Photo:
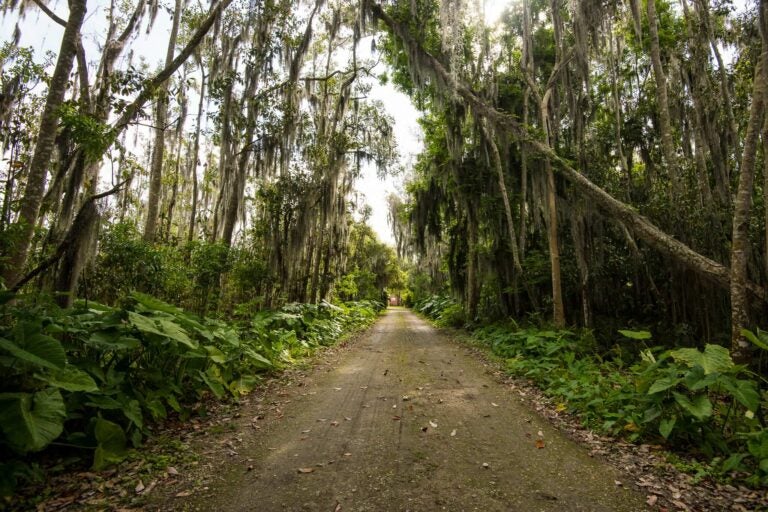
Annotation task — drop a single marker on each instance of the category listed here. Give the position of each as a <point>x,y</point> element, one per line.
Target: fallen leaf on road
<point>494,404</point>
<point>433,424</point>
<point>306,470</point>
<point>171,470</point>
<point>453,432</point>
<point>652,499</point>
<point>539,444</point>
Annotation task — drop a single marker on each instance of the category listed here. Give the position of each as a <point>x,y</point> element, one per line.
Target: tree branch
<point>71,233</point>
<point>50,13</point>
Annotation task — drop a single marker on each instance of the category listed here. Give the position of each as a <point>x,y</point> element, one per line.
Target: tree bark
<point>158,149</point>
<point>38,167</point>
<point>742,205</point>
<point>665,122</point>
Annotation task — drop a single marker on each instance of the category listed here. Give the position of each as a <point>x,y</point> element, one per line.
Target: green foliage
<point>93,136</point>
<point>444,310</point>
<point>97,377</point>
<point>691,399</point>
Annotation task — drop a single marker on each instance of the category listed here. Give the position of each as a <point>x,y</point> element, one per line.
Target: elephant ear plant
<point>94,378</point>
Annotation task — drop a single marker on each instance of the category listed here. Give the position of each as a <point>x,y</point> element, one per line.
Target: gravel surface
<point>405,420</point>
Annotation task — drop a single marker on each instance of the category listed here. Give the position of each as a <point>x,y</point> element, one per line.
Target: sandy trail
<point>409,421</point>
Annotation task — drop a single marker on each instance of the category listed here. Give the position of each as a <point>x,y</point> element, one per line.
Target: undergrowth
<point>93,379</point>
<point>690,400</point>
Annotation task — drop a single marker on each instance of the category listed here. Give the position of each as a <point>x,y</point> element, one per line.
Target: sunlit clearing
<point>494,9</point>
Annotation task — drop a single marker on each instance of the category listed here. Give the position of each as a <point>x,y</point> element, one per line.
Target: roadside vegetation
<point>695,402</point>
<point>90,382</point>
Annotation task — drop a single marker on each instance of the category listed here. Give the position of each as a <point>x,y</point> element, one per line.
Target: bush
<point>686,398</point>
<point>96,377</point>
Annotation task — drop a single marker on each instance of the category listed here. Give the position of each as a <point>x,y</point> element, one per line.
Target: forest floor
<point>405,419</point>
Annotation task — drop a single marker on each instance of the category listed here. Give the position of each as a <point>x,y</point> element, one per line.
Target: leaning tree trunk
<point>38,167</point>
<point>158,149</point>
<point>616,210</point>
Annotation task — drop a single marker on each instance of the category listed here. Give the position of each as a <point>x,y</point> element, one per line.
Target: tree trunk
<point>558,310</point>
<point>158,150</point>
<point>740,302</point>
<point>38,167</point>
<point>665,122</point>
<point>196,156</point>
<point>619,211</point>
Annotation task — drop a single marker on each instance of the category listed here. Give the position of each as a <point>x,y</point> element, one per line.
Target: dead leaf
<point>306,470</point>
<point>347,418</point>
<point>539,444</point>
<point>453,433</point>
<point>139,487</point>
<point>652,499</point>
<point>172,470</point>
<point>306,431</point>
<point>347,454</point>
<point>338,507</point>
<point>337,389</point>
<point>334,423</point>
<point>406,398</point>
<point>619,484</point>
<point>433,424</point>
<point>494,404</point>
<point>183,494</point>
<point>540,433</point>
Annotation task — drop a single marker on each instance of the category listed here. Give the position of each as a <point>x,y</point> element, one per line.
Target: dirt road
<point>409,421</point>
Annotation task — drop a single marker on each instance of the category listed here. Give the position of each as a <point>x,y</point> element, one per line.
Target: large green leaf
<point>29,344</point>
<point>215,355</point>
<point>636,335</point>
<point>164,327</point>
<point>70,378</point>
<point>110,447</point>
<point>700,407</point>
<point>714,358</point>
<point>176,332</point>
<point>213,380</point>
<point>663,384</point>
<point>113,340</point>
<point>132,411</point>
<point>31,421</point>
<point>760,339</point>
<point>666,425</point>
<point>744,391</point>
